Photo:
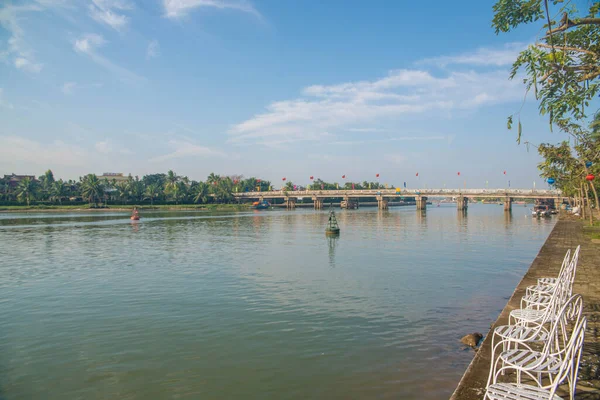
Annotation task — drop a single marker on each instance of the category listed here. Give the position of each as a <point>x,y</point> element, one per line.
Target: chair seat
<point>521,333</point>
<point>527,315</point>
<point>540,288</point>
<point>527,359</point>
<point>537,299</point>
<point>512,391</point>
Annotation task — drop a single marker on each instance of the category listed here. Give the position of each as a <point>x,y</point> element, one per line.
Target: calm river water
<point>253,305</point>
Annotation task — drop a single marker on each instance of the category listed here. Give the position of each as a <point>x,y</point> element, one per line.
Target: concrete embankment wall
<point>567,234</point>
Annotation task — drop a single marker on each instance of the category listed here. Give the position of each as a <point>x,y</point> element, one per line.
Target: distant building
<point>13,180</point>
<point>114,176</point>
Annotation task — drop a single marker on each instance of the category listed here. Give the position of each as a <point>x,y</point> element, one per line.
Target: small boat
<point>261,205</point>
<point>332,225</point>
<point>349,205</point>
<point>135,216</point>
<point>540,211</point>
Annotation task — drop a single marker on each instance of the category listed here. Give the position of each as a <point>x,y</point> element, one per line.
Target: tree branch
<point>567,48</point>
<point>568,24</point>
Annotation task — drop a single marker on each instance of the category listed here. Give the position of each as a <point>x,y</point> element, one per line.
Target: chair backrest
<point>569,365</point>
<point>568,314</point>
<point>572,269</point>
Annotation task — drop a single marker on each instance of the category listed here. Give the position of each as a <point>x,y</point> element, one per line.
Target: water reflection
<point>332,243</point>
<point>183,304</point>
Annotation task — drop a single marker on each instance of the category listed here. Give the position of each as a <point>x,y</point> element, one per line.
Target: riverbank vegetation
<point>561,70</point>
<point>154,190</point>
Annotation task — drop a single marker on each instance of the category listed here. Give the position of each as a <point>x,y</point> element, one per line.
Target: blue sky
<point>265,88</point>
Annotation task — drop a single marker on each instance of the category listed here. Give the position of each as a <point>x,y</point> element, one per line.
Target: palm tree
<point>58,191</point>
<point>26,190</point>
<point>91,188</point>
<point>200,192</point>
<point>152,192</point>
<point>122,191</point>
<point>213,179</point>
<point>171,179</point>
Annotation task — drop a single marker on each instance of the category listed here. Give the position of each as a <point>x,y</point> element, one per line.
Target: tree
<point>59,191</point>
<point>562,67</point>
<point>27,190</point>
<point>200,192</point>
<point>152,192</point>
<point>171,179</point>
<point>91,188</point>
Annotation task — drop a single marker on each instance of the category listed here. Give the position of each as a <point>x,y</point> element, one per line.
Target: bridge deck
<point>512,193</point>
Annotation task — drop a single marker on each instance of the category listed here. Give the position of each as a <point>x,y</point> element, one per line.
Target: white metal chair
<point>545,286</point>
<point>558,359</point>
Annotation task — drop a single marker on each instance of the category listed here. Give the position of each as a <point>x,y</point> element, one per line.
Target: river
<point>253,305</point>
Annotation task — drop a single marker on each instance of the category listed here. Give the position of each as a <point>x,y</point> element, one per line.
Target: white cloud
<point>89,43</point>
<point>339,108</point>
<point>18,49</point>
<point>107,147</point>
<point>187,149</point>
<point>25,64</point>
<point>180,8</point>
<point>153,49</point>
<point>71,87</point>
<point>105,12</point>
<point>481,57</point>
<point>68,87</point>
<point>20,151</point>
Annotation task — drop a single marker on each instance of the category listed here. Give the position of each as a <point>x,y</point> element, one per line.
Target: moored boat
<point>261,205</point>
<point>135,216</point>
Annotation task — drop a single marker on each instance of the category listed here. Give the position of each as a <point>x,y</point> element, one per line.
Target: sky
<point>266,88</point>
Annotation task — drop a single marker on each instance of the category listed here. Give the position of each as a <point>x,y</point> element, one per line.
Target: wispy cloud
<point>18,51</point>
<point>180,8</point>
<point>88,45</point>
<point>107,12</point>
<point>187,149</point>
<point>68,87</point>
<point>107,147</point>
<point>153,49</point>
<point>332,109</point>
<point>16,150</point>
<point>481,57</point>
<point>71,87</point>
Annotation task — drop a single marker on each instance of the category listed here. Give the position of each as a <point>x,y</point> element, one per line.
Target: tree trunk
<point>582,202</point>
<point>595,195</point>
<point>587,198</point>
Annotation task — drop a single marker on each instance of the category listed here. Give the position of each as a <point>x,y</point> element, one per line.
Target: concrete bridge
<point>383,196</point>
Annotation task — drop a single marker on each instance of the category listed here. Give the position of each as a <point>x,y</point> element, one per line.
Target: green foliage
<point>563,66</point>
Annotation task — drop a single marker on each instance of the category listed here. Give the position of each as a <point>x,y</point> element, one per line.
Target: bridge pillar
<point>261,198</point>
<point>508,204</point>
<point>382,203</point>
<point>290,203</point>
<point>421,202</point>
<point>318,203</point>
<point>557,202</point>
<point>462,203</point>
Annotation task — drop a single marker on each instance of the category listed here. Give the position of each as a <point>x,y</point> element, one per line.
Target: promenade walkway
<point>568,233</point>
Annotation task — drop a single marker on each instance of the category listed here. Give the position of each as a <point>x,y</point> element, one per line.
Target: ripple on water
<point>252,305</point>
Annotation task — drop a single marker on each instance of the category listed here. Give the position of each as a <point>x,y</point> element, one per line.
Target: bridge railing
<point>405,192</point>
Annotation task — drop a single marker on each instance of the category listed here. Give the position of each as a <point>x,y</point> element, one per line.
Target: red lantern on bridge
<point>343,176</point>
<point>311,177</point>
<point>458,173</point>
<point>504,172</point>
<point>258,180</point>
<point>283,179</point>
<point>376,175</point>
<point>590,177</point>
